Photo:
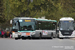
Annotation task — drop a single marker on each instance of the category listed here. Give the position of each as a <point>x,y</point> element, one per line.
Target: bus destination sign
<point>27,20</point>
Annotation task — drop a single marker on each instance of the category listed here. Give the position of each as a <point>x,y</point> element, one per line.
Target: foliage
<point>51,9</point>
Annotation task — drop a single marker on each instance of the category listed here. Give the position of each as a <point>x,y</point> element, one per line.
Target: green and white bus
<point>24,27</point>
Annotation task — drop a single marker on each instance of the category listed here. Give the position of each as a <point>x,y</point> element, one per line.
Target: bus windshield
<point>66,25</point>
<point>27,26</point>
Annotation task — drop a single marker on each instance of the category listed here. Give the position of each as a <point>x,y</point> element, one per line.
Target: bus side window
<point>39,25</point>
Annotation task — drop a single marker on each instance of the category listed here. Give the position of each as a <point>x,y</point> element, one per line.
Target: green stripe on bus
<point>25,31</point>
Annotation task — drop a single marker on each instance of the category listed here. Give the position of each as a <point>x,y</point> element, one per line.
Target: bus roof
<point>34,18</point>
<point>66,19</point>
<point>23,18</point>
<point>45,20</point>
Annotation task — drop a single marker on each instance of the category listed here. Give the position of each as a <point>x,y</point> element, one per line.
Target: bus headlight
<point>33,33</point>
<point>13,32</point>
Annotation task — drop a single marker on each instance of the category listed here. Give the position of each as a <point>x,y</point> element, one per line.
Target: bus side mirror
<point>10,21</point>
<point>15,23</point>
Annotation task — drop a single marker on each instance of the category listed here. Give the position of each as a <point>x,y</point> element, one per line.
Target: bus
<point>24,27</point>
<point>66,27</point>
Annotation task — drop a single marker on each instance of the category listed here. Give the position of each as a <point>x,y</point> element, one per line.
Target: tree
<point>2,17</point>
<point>52,9</point>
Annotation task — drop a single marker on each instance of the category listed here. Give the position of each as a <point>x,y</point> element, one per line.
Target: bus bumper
<point>62,36</point>
<point>15,35</point>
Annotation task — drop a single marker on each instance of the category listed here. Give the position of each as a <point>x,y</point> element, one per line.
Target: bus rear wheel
<point>23,38</point>
<point>51,36</point>
<point>40,36</point>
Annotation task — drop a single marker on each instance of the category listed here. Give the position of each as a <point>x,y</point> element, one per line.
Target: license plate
<point>66,33</point>
<point>27,34</point>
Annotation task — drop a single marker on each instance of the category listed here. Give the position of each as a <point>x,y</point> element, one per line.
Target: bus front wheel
<point>23,38</point>
<point>16,38</point>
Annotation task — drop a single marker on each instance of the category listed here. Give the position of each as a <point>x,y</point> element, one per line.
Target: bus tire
<point>16,38</point>
<point>40,36</point>
<point>23,38</point>
<point>51,36</point>
<point>61,38</point>
<point>30,38</point>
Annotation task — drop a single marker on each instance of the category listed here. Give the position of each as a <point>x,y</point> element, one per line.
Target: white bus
<point>33,28</point>
<point>66,27</point>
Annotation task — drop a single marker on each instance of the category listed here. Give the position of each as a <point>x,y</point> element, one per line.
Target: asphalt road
<point>37,44</point>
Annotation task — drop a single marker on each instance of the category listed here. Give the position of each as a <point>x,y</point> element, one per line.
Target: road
<point>37,44</point>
